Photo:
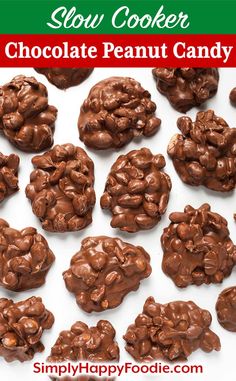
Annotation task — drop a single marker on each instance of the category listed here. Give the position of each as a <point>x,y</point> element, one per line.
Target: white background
<point>17,211</point>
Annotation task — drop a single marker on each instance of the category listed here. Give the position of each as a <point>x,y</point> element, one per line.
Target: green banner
<point>117,17</point>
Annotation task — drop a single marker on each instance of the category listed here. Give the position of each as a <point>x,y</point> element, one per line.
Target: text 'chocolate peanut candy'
<point>137,191</point>
<point>65,77</point>
<point>9,166</point>
<point>226,309</point>
<point>25,258</point>
<point>205,152</point>
<point>186,87</point>
<point>104,271</point>
<point>117,110</point>
<point>61,188</point>
<point>83,343</point>
<point>197,247</point>
<point>26,119</point>
<point>21,327</point>
<point>170,332</point>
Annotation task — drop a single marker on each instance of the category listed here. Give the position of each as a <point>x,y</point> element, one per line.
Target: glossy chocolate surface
<point>65,77</point>
<point>9,166</point>
<point>104,271</point>
<point>226,309</point>
<point>25,258</point>
<point>21,327</point>
<point>186,87</point>
<point>197,247</point>
<point>170,332</point>
<point>26,118</point>
<point>205,152</point>
<point>83,343</point>
<point>136,191</point>
<point>117,110</point>
<point>61,188</point>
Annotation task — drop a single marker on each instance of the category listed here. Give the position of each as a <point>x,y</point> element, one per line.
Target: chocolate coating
<point>170,332</point>
<point>21,328</point>
<point>186,87</point>
<point>26,119</point>
<point>232,96</point>
<point>61,188</point>
<point>25,258</point>
<point>205,152</point>
<point>136,191</point>
<point>81,343</point>
<point>197,247</point>
<point>226,309</point>
<point>65,77</point>
<point>104,271</point>
<point>8,175</point>
<point>117,110</point>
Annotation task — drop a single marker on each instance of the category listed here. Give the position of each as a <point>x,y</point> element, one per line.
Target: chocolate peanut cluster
<point>25,258</point>
<point>226,309</point>
<point>197,247</point>
<point>186,87</point>
<point>26,119</point>
<point>8,175</point>
<point>137,191</point>
<point>232,96</point>
<point>65,77</point>
<point>61,188</point>
<point>117,110</point>
<point>170,332</point>
<point>81,343</point>
<point>104,271</point>
<point>205,152</point>
<point>21,328</point>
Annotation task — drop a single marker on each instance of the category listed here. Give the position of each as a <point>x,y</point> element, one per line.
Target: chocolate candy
<point>170,332</point>
<point>197,247</point>
<point>65,77</point>
<point>81,343</point>
<point>21,328</point>
<point>104,271</point>
<point>186,87</point>
<point>232,96</point>
<point>117,110</point>
<point>26,119</point>
<point>137,191</point>
<point>8,175</point>
<point>25,258</point>
<point>205,153</point>
<point>226,309</point>
<point>61,188</point>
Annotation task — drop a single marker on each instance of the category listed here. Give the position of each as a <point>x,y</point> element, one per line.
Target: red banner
<point>117,50</point>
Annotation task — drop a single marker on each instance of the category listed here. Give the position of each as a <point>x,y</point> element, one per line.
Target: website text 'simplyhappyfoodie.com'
<point>83,368</point>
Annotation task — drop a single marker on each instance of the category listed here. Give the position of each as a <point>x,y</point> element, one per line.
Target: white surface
<point>17,211</point>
